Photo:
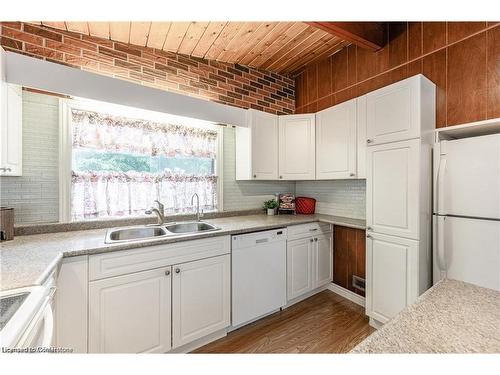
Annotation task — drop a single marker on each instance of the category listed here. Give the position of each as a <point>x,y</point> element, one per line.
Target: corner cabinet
<point>257,147</point>
<point>328,145</point>
<point>309,259</point>
<point>297,147</point>
<point>11,124</point>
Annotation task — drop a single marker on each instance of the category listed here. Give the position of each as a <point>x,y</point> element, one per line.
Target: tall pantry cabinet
<point>400,124</point>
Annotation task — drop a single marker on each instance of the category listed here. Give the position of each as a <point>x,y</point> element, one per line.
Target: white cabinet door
<point>131,313</point>
<point>3,94</point>
<point>393,112</point>
<point>361,136</point>
<point>323,261</point>
<point>336,142</point>
<point>72,304</point>
<point>264,128</point>
<point>11,131</point>
<point>391,275</point>
<point>200,298</point>
<point>257,147</point>
<point>299,257</point>
<point>297,147</point>
<point>392,189</point>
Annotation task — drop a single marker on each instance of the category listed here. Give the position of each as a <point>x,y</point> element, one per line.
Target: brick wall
<point>230,84</point>
<point>461,58</point>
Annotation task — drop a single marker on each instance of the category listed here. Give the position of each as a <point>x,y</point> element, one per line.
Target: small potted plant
<point>271,206</point>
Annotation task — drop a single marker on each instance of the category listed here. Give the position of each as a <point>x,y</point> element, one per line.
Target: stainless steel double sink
<point>157,231</point>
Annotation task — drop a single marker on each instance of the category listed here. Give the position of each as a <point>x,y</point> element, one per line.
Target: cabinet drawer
<point>128,261</point>
<point>307,230</point>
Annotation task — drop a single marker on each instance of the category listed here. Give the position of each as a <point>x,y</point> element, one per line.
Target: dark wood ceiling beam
<point>368,35</point>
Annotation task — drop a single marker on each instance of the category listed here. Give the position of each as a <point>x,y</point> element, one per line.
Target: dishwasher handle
<point>262,240</point>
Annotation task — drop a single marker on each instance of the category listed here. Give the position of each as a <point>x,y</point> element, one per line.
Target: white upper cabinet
<point>392,188</point>
<point>11,118</point>
<point>257,147</point>
<point>297,147</point>
<point>399,111</point>
<point>336,142</point>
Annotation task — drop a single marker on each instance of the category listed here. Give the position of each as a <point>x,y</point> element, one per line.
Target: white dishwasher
<point>258,275</point>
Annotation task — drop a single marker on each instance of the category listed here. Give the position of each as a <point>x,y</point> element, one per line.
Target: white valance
<point>105,132</point>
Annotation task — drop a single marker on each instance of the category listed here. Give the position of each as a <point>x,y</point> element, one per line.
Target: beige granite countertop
<point>451,317</point>
<point>28,260</point>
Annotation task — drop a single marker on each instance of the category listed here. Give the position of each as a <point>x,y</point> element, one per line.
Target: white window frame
<point>66,149</point>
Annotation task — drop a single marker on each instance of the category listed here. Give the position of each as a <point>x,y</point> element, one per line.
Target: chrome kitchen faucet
<point>160,212</point>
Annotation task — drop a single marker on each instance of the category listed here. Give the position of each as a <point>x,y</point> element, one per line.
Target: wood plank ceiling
<point>283,47</point>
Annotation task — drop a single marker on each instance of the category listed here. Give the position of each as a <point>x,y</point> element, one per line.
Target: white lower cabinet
<point>131,313</point>
<point>299,267</point>
<point>156,310</point>
<point>323,260</point>
<point>71,302</point>
<point>309,264</point>
<point>201,295</point>
<point>391,275</point>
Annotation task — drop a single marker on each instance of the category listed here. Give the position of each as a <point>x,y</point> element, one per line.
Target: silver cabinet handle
<point>352,174</point>
<point>3,169</point>
<point>313,229</point>
<point>311,240</point>
<point>177,270</point>
<point>315,240</point>
<point>167,273</point>
<point>368,236</point>
<point>369,228</point>
<point>281,176</point>
<point>369,141</point>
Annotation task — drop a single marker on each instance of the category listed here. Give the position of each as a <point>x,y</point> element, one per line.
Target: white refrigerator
<point>466,223</point>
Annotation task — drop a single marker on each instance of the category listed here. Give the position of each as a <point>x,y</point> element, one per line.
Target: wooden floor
<point>323,323</point>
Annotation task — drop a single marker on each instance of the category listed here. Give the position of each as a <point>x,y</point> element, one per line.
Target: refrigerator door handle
<point>440,185</point>
<point>441,257</point>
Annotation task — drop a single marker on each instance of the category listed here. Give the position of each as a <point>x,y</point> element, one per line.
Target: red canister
<point>305,205</point>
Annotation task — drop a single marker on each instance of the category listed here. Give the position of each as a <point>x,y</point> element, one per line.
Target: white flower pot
<point>271,211</point>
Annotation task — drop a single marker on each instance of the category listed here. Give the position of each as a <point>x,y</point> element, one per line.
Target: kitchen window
<point>118,160</point>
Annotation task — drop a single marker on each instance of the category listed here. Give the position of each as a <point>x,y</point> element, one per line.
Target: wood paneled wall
<point>349,256</point>
<point>461,58</point>
<point>225,83</point>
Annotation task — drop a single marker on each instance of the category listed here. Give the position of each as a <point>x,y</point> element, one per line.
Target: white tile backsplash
<point>338,197</point>
<point>34,195</point>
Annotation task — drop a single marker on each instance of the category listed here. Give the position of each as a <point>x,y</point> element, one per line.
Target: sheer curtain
<point>100,194</point>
